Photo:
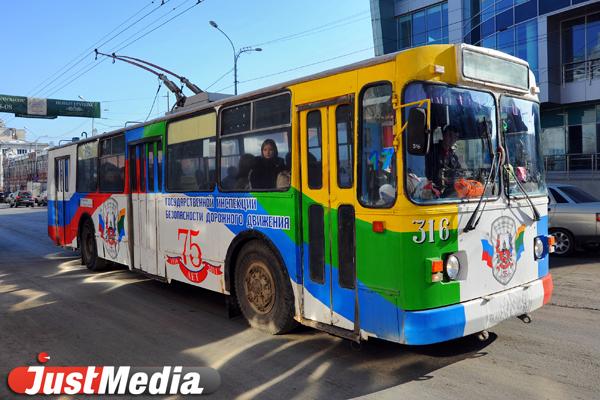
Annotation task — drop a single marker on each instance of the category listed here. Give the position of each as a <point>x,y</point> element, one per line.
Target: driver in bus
<point>447,164</point>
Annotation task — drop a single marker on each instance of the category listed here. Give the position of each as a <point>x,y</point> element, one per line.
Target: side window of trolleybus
<point>520,125</point>
<point>255,145</point>
<point>191,146</point>
<point>377,168</point>
<point>112,164</point>
<point>461,147</point>
<point>87,167</point>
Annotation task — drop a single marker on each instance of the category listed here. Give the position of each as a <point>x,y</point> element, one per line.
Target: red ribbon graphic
<point>195,276</point>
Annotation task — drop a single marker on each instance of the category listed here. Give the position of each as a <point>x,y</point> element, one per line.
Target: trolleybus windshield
<point>462,142</point>
<point>520,125</point>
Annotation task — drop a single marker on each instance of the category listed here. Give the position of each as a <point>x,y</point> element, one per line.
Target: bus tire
<point>89,251</point>
<point>263,290</point>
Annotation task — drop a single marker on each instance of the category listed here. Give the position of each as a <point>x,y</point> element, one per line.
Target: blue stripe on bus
<point>543,263</point>
<point>132,135</point>
<point>381,319</point>
<point>433,326</point>
<point>72,205</point>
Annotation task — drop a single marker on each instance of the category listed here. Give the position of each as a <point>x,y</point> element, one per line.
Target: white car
<point>574,218</point>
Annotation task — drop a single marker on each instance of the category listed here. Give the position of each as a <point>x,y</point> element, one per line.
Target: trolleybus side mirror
<point>417,134</point>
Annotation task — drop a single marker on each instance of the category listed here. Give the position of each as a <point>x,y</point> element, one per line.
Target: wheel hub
<point>562,242</point>
<point>260,288</point>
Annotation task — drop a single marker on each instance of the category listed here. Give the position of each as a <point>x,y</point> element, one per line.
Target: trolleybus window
<point>255,153</point>
<point>463,140</point>
<point>345,145</point>
<point>314,154</point>
<point>377,172</point>
<point>87,167</point>
<point>191,160</point>
<point>112,164</point>
<point>520,124</point>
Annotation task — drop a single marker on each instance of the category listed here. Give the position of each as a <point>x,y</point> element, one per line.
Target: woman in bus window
<point>268,166</point>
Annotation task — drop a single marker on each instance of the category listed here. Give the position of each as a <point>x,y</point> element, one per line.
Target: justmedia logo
<point>105,380</point>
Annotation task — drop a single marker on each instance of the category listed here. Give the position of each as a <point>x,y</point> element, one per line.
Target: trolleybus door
<point>61,185</point>
<point>329,288</point>
<point>144,189</point>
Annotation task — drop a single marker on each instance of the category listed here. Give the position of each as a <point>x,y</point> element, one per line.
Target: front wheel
<point>89,251</point>
<point>263,290</point>
<point>565,244</point>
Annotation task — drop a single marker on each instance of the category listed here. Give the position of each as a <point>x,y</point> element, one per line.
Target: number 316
<point>427,230</point>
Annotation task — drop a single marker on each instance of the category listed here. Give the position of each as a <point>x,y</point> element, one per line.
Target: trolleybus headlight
<point>452,267</point>
<point>538,247</point>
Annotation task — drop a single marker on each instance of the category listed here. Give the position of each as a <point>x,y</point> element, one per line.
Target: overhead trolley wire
<point>94,64</point>
<point>318,29</point>
<point>82,56</point>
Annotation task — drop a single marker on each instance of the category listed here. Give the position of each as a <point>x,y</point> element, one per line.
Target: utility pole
<point>168,106</point>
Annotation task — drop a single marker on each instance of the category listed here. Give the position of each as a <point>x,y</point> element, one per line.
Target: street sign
<point>32,107</point>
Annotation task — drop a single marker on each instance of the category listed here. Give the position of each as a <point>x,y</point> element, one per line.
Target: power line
<point>83,55</point>
<point>330,25</point>
<point>301,67</point>
<point>153,101</point>
<point>197,2</point>
<point>219,79</point>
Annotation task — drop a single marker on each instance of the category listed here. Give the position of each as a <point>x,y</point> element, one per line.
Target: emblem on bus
<point>503,248</point>
<point>111,226</point>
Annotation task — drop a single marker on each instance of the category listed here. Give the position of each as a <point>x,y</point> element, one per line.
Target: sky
<point>47,51</point>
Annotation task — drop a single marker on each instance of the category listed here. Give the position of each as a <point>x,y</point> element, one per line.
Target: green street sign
<point>32,107</point>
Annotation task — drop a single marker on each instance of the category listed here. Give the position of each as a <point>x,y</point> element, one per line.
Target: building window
<point>581,48</point>
<point>499,24</point>
<point>426,26</point>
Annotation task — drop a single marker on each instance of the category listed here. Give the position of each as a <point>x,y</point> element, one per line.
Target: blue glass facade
<point>559,38</point>
<point>425,26</point>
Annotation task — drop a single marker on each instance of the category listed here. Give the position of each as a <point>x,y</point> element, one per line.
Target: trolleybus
<point>401,197</point>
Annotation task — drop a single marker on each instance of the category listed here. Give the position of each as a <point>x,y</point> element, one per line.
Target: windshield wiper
<point>536,214</point>
<point>473,220</point>
<point>472,223</point>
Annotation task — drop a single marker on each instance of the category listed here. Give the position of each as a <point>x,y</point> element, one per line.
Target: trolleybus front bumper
<point>458,320</point>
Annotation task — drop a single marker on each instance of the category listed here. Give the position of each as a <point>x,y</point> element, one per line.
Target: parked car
<point>41,199</point>
<point>21,198</point>
<point>574,218</point>
<point>2,199</point>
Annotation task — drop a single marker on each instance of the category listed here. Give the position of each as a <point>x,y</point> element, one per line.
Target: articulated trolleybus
<point>402,198</point>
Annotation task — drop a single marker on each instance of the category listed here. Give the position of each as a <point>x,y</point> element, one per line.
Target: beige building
<point>13,143</point>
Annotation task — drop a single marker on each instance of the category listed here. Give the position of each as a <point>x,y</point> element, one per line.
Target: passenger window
<point>345,146</point>
<point>377,157</point>
<point>159,165</point>
<point>256,162</point>
<point>150,167</point>
<point>314,154</point>
<point>112,164</point>
<point>87,167</point>
<point>255,152</point>
<point>191,154</point>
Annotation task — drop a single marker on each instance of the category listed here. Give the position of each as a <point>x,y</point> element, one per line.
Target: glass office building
<point>559,38</point>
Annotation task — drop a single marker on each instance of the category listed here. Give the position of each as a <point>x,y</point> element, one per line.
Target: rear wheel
<point>89,251</point>
<point>263,290</point>
<point>565,244</point>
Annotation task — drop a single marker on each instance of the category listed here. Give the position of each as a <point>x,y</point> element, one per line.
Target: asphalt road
<point>50,302</point>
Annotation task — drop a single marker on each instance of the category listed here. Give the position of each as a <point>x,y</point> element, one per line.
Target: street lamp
<point>236,54</point>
